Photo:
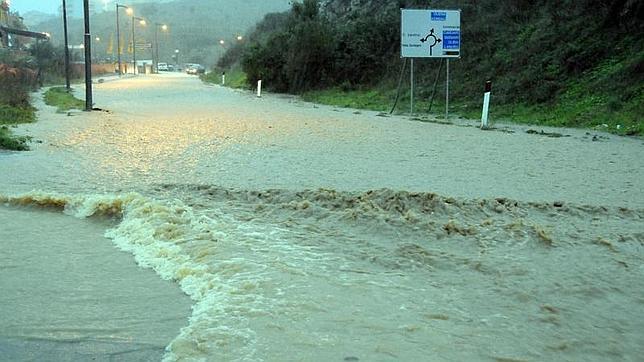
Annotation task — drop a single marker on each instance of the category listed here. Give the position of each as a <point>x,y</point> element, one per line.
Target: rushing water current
<point>303,233</point>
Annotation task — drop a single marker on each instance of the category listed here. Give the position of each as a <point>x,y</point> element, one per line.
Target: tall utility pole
<point>134,45</point>
<point>143,23</point>
<point>118,39</point>
<point>129,11</point>
<point>156,44</point>
<point>155,61</point>
<point>67,84</point>
<point>88,59</point>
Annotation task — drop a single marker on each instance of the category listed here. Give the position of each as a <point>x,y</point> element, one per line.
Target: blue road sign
<point>451,39</point>
<point>439,16</point>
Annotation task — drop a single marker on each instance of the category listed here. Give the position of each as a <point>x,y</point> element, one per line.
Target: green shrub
<point>295,57</point>
<point>10,142</point>
<point>64,100</point>
<point>13,115</point>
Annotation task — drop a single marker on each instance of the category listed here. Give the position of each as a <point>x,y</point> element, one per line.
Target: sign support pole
<point>430,33</point>
<point>447,92</point>
<point>411,106</point>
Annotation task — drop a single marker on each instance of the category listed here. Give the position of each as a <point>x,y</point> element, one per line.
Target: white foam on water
<point>323,275</point>
<point>160,236</point>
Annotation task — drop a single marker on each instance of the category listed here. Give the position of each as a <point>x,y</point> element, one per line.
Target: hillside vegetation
<point>567,63</point>
<point>17,79</point>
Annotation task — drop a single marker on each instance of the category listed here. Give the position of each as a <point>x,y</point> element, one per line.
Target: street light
<point>95,54</point>
<point>129,11</point>
<point>163,27</point>
<point>240,38</point>
<point>142,22</point>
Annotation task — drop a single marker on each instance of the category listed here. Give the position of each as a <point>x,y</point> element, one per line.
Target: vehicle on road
<point>163,67</point>
<point>195,69</point>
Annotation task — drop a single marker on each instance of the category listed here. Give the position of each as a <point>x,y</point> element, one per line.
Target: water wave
<point>247,257</point>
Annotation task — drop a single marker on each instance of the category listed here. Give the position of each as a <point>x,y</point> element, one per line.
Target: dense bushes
<point>584,54</point>
<point>297,55</point>
<point>16,78</point>
<point>22,70</point>
<point>530,48</point>
<point>21,73</point>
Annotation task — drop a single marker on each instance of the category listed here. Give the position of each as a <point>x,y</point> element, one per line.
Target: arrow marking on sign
<point>436,40</point>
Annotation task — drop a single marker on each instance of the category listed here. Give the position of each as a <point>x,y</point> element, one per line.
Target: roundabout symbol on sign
<point>436,40</point>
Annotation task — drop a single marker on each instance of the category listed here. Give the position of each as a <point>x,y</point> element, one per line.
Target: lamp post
<point>97,42</point>
<point>118,33</point>
<point>156,44</point>
<point>176,57</point>
<point>142,21</point>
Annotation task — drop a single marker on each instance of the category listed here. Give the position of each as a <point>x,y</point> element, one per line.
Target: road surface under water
<point>304,232</point>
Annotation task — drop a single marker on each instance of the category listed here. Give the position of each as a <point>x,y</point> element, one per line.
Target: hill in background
<point>195,27</point>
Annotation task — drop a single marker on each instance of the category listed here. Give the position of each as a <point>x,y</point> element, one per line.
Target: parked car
<point>195,69</point>
<point>163,67</point>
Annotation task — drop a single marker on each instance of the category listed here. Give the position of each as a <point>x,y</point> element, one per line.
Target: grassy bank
<point>9,117</point>
<point>234,78</point>
<point>579,107</point>
<point>63,100</point>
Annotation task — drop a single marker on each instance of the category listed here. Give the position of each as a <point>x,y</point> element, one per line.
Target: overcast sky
<point>51,6</point>
<point>45,6</point>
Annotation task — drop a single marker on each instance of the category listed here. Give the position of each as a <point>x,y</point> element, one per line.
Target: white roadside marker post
<point>486,105</point>
<point>259,88</point>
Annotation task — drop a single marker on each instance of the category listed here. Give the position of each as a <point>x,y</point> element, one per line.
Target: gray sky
<point>45,6</point>
<point>74,7</point>
<point>51,6</point>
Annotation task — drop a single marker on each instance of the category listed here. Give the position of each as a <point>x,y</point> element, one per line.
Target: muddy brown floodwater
<point>304,232</point>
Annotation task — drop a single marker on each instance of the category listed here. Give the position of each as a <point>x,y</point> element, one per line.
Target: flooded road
<point>304,232</point>
<point>67,295</point>
<point>172,129</point>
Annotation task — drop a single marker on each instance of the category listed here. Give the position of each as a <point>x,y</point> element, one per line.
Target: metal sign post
<point>447,91</point>
<point>411,106</point>
<point>430,34</point>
